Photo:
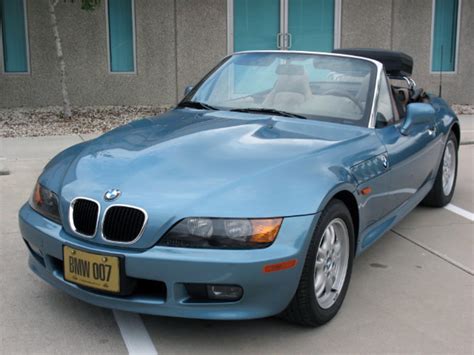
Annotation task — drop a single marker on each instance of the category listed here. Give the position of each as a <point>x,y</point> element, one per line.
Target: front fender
<point>54,172</point>
<point>299,187</point>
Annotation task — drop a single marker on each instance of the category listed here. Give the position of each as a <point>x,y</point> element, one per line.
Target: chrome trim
<point>139,234</point>
<point>71,220</point>
<point>329,54</point>
<point>373,111</point>
<point>278,40</point>
<point>289,41</point>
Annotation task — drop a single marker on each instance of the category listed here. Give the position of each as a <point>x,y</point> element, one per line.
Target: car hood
<point>221,164</point>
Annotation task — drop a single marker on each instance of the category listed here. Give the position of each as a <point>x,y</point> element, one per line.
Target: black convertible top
<point>395,63</point>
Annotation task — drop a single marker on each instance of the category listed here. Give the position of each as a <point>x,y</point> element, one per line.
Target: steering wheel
<point>346,94</point>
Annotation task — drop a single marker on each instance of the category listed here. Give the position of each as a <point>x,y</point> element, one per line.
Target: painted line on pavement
<point>460,211</point>
<point>134,334</point>
<point>436,253</point>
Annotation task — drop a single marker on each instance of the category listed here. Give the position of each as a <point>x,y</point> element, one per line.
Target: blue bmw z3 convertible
<point>252,197</point>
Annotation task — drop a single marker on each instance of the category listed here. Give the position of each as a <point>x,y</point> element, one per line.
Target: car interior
<point>398,68</point>
<point>322,87</point>
<point>294,91</point>
<point>405,91</point>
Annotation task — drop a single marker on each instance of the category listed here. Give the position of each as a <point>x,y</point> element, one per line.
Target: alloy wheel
<point>331,264</point>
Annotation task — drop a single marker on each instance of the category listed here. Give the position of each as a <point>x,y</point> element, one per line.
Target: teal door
<point>311,25</point>
<point>256,24</point>
<point>305,25</point>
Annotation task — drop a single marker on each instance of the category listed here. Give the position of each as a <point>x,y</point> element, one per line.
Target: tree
<point>88,5</point>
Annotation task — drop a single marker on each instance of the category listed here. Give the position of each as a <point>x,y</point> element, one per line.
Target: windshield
<point>312,86</point>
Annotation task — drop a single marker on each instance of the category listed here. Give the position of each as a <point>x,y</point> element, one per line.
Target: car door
<point>412,156</point>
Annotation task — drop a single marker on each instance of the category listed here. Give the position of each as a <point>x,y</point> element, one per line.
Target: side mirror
<point>188,89</point>
<point>417,114</point>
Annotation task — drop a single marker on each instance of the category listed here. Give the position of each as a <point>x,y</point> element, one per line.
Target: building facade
<point>145,52</point>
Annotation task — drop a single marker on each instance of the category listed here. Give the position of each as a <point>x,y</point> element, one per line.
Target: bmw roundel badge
<point>112,194</point>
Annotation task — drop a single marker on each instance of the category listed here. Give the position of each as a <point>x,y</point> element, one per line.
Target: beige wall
<point>201,38</point>
<point>192,42</point>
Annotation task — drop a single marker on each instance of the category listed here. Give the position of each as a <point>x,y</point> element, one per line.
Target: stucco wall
<point>201,38</point>
<point>84,36</point>
<point>366,23</point>
<point>42,85</point>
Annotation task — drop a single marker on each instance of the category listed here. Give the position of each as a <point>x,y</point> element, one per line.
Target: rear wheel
<point>443,189</point>
<point>327,269</point>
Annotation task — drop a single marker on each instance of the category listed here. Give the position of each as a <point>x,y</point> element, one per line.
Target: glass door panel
<point>311,25</point>
<point>256,24</point>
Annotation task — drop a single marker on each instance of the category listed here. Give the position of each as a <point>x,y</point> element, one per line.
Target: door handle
<point>284,40</point>
<point>279,40</point>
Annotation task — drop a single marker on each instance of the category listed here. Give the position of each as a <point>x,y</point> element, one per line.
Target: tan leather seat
<point>289,92</point>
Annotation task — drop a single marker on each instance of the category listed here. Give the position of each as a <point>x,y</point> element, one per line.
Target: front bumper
<point>265,294</point>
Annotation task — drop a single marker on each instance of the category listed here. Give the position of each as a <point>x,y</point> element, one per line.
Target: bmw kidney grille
<point>84,214</point>
<point>123,224</point>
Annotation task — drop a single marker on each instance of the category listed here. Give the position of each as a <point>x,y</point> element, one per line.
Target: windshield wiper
<point>196,104</point>
<point>270,111</point>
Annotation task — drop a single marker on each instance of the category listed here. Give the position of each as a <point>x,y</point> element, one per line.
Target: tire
<point>440,195</point>
<point>306,308</point>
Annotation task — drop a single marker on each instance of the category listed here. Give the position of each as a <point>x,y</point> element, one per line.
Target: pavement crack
<point>436,253</point>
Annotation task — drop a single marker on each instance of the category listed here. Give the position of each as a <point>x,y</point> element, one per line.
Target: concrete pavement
<point>409,293</point>
<point>467,126</point>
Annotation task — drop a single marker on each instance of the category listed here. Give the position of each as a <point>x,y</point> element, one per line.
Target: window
<point>384,107</point>
<point>14,40</point>
<point>445,32</point>
<point>319,87</point>
<point>121,27</point>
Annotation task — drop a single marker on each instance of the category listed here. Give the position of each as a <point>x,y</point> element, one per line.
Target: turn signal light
<point>280,266</point>
<point>265,230</point>
<point>37,199</point>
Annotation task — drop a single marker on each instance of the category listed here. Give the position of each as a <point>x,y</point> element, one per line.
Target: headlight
<point>221,233</point>
<point>45,202</point>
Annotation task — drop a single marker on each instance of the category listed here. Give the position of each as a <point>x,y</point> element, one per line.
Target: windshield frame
<point>375,89</point>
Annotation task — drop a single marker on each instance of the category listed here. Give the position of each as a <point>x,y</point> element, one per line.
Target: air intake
<point>83,216</point>
<point>123,224</point>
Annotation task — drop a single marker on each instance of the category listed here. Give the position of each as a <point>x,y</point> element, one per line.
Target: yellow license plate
<point>101,272</point>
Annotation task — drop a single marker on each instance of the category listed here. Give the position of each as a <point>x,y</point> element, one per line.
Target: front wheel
<point>327,269</point>
<point>443,188</point>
